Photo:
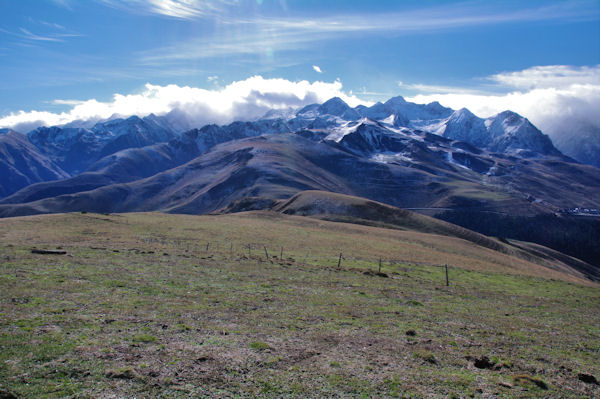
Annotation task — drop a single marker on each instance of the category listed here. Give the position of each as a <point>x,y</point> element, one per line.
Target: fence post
<point>266,253</point>
<point>305,257</point>
<point>340,261</point>
<point>447,281</point>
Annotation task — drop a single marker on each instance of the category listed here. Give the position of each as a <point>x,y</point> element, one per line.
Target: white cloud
<point>550,76</point>
<point>33,36</point>
<point>554,98</point>
<point>260,43</point>
<point>256,34</point>
<point>26,36</point>
<point>52,25</point>
<point>181,9</point>
<point>63,3</point>
<point>317,69</point>
<point>438,89</point>
<point>67,102</point>
<point>427,18</point>
<point>241,100</point>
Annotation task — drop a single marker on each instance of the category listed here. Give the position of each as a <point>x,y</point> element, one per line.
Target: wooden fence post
<point>447,281</point>
<point>305,257</point>
<point>340,261</point>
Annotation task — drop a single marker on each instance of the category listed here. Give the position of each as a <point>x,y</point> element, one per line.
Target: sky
<point>66,60</point>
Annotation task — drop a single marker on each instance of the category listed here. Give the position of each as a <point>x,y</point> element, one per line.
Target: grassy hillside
<point>345,208</point>
<point>154,305</point>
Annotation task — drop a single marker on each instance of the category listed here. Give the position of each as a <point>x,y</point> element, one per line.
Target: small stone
<point>484,363</point>
<point>587,378</point>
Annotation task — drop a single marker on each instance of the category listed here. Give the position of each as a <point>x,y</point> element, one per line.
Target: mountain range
<point>425,157</point>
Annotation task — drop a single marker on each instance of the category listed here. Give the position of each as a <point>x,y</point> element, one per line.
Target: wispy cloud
<point>63,3</point>
<point>31,36</point>
<point>27,36</point>
<point>255,43</point>
<point>255,34</point>
<point>317,69</point>
<point>425,88</point>
<point>181,9</point>
<point>52,25</point>
<point>439,18</point>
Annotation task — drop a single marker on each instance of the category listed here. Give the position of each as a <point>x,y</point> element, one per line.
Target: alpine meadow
<point>299,199</point>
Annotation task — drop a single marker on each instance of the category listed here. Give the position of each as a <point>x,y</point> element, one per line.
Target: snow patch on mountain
<point>392,158</point>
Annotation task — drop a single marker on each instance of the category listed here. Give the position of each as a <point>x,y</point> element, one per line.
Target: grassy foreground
<point>154,305</point>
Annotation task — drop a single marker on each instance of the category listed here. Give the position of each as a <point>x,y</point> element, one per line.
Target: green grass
<point>144,338</point>
<point>259,346</point>
<point>137,323</point>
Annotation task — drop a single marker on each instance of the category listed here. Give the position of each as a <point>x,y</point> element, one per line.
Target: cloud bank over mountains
<point>242,100</point>
<point>555,98</point>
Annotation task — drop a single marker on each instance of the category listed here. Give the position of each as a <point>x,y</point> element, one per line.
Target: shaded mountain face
<point>75,149</point>
<point>122,167</point>
<point>21,164</point>
<point>404,168</point>
<point>581,142</point>
<point>137,163</point>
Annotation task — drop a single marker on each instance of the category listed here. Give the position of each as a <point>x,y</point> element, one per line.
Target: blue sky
<point>57,54</point>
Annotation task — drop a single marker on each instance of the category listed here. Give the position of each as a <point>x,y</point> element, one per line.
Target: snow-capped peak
<point>337,107</point>
<point>396,101</point>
